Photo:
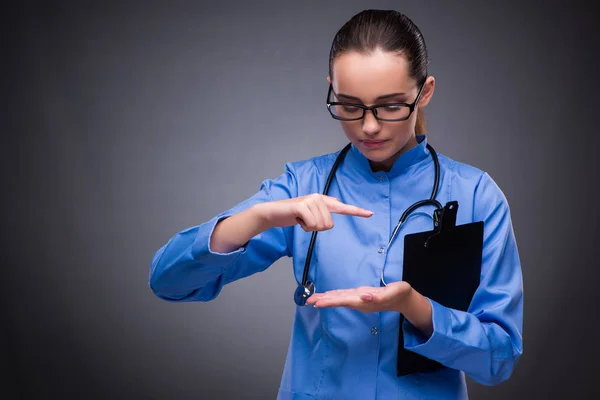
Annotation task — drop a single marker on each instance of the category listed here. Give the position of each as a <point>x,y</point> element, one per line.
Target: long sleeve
<point>486,341</point>
<point>186,269</point>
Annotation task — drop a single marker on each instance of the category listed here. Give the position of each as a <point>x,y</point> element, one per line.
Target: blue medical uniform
<point>340,353</point>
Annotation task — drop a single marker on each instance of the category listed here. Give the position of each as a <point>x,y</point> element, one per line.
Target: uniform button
<point>374,331</point>
<point>380,250</point>
<point>381,179</point>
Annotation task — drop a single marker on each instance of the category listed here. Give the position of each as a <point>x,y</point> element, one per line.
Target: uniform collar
<point>404,161</point>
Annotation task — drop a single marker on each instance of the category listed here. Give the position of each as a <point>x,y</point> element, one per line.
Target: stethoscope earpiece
<point>303,292</point>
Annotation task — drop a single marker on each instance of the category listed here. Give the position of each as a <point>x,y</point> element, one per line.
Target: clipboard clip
<point>444,219</point>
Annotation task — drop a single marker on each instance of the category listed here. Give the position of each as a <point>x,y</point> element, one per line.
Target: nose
<point>371,126</point>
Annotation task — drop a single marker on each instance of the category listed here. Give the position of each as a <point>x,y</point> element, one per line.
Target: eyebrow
<point>383,97</point>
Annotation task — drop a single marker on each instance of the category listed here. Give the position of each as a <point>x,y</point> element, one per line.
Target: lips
<point>373,143</point>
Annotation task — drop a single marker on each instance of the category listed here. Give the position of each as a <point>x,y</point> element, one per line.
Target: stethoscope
<point>307,288</point>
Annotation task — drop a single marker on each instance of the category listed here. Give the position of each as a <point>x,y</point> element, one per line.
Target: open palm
<point>365,298</point>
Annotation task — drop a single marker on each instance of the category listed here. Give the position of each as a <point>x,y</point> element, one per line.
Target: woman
<point>344,345</point>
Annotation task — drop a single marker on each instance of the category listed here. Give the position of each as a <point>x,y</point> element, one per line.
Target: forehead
<point>371,75</point>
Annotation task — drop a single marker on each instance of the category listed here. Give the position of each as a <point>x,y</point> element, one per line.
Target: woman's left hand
<point>365,298</point>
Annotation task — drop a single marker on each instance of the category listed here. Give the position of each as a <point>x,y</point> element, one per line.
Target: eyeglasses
<point>382,112</point>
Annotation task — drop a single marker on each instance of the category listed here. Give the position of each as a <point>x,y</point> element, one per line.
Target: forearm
<point>191,266</point>
<point>486,348</point>
<point>198,261</point>
<point>235,231</point>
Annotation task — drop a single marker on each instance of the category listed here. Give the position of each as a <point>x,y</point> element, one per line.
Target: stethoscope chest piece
<point>303,292</point>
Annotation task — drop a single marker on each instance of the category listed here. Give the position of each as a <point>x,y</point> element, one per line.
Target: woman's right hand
<point>312,212</point>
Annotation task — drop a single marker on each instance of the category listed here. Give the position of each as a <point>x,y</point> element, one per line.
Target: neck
<point>386,165</point>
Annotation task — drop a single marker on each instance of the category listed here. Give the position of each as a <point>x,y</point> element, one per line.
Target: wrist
<point>407,302</point>
<point>417,310</point>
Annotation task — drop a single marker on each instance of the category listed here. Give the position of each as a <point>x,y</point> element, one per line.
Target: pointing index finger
<point>336,206</point>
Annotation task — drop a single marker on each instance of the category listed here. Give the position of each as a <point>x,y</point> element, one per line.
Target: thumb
<point>366,297</point>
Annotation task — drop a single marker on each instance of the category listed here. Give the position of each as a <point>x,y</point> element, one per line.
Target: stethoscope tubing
<point>306,288</point>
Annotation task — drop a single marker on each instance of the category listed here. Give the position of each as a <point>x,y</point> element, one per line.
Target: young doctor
<point>344,342</point>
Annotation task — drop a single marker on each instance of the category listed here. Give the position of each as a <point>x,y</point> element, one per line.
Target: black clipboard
<point>445,265</point>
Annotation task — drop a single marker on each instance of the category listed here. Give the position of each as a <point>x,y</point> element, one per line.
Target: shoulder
<point>487,196</point>
<point>465,173</point>
<point>314,166</point>
<point>302,176</point>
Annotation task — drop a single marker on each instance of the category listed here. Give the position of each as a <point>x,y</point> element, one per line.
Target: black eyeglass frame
<point>373,109</point>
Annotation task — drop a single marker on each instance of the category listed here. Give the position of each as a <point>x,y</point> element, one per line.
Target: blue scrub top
<point>340,353</point>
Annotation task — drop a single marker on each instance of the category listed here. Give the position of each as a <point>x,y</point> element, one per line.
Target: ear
<point>427,92</point>
<point>329,79</point>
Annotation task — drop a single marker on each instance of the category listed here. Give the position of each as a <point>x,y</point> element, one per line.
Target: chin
<point>377,154</point>
<point>377,157</point>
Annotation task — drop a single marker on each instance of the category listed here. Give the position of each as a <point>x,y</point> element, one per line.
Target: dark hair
<point>387,30</point>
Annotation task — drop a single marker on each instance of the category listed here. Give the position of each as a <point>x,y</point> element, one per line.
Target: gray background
<point>124,125</point>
